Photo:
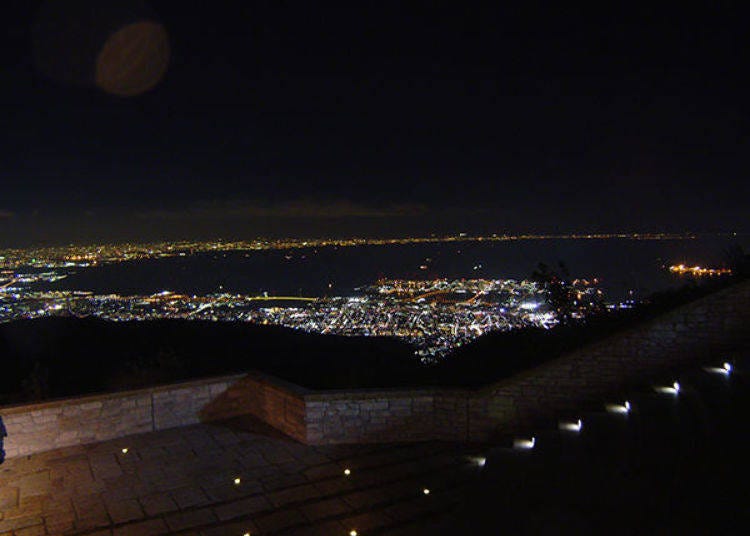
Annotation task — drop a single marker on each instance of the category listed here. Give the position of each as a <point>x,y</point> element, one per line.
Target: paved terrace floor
<point>182,481</point>
<point>677,463</point>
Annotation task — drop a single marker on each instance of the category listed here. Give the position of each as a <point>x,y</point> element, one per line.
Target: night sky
<point>288,118</point>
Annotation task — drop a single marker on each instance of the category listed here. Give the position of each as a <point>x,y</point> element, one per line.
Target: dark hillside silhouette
<point>57,357</point>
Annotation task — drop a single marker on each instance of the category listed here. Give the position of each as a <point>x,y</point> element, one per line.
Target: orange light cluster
<point>698,271</point>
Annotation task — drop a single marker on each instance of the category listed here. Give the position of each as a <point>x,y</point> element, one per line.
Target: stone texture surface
<point>700,332</point>
<point>50,425</point>
<point>272,400</point>
<point>182,480</point>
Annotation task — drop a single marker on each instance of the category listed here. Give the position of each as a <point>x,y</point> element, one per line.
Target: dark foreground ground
<point>674,465</point>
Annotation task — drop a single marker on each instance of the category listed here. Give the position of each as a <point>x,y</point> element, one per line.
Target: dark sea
<point>622,265</point>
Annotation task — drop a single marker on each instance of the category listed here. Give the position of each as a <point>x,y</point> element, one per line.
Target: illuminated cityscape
<point>434,323</point>
<point>433,315</point>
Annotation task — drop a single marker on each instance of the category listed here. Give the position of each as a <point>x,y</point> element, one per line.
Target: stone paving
<point>238,477</point>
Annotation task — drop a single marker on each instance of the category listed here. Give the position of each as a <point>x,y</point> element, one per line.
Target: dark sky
<point>288,118</point>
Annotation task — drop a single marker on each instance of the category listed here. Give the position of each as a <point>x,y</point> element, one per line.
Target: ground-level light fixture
<point>725,369</point>
<point>479,461</point>
<point>237,481</point>
<point>125,450</point>
<point>347,471</point>
<point>426,491</point>
<point>622,409</point>
<point>668,390</point>
<point>571,426</point>
<point>524,443</point>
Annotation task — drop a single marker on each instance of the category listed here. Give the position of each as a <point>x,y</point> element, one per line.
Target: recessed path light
<point>571,426</point>
<point>523,443</point>
<point>479,461</point>
<point>724,369</point>
<point>623,409</point>
<point>669,390</point>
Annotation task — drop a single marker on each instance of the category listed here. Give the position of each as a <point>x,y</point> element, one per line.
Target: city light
<point>698,271</point>
<point>434,316</point>
<point>97,254</point>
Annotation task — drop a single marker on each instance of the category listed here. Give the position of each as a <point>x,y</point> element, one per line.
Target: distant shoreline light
<point>84,255</point>
<point>698,271</point>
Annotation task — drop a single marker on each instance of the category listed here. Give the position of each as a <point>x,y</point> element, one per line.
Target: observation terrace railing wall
<point>33,428</point>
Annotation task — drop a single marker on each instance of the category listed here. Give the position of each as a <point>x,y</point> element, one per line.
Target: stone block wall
<point>180,405</point>
<point>35,428</point>
<point>383,416</point>
<point>278,403</point>
<point>699,332</point>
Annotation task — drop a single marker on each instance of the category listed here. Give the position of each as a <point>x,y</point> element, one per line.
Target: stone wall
<point>280,404</point>
<point>382,416</point>
<point>361,416</point>
<point>700,332</point>
<point>35,428</point>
